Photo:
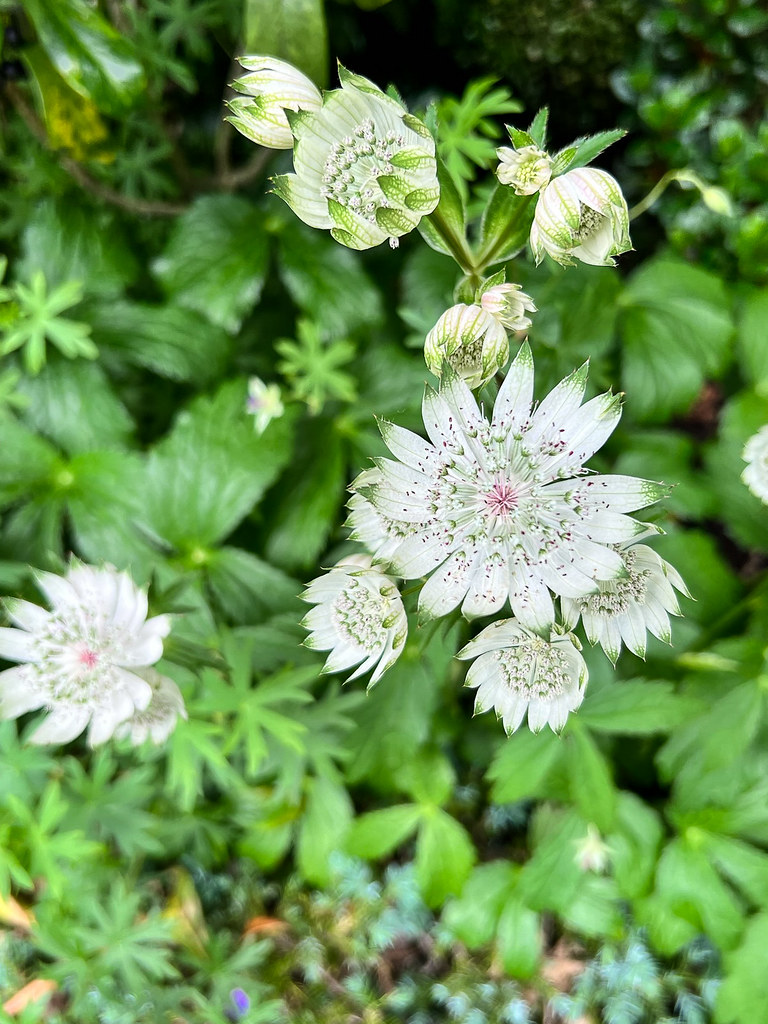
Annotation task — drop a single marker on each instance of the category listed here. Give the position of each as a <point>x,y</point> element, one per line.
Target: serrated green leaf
<point>293,30</point>
<point>505,226</point>
<point>590,779</point>
<point>637,707</point>
<point>473,917</point>
<point>378,833</point>
<point>444,857</point>
<point>521,765</point>
<point>246,588</point>
<point>323,828</point>
<point>518,939</point>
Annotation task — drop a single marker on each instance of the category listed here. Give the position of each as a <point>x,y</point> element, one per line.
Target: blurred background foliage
<point>299,851</point>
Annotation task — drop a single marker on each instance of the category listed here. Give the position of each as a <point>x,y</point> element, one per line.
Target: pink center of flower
<point>87,658</point>
<point>501,499</point>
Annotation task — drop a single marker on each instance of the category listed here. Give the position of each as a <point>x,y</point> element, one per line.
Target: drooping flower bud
<point>272,87</point>
<point>365,167</point>
<point>263,403</point>
<point>527,170</point>
<point>508,304</point>
<point>471,340</point>
<point>581,214</point>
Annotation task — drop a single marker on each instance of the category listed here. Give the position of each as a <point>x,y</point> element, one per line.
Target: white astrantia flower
<point>625,609</point>
<point>581,214</point>
<point>501,509</point>
<point>527,169</point>
<point>508,304</point>
<point>472,341</point>
<point>158,719</point>
<point>263,403</point>
<point>359,617</point>
<point>271,87</point>
<point>755,453</point>
<point>82,660</point>
<point>517,671</point>
<point>592,853</point>
<point>365,167</point>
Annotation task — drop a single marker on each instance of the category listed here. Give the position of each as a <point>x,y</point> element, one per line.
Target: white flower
<point>755,453</point>
<point>365,168</point>
<point>527,170</point>
<point>80,658</point>
<point>502,509</point>
<point>158,720</point>
<point>472,341</point>
<point>358,617</point>
<point>624,609</point>
<point>592,853</point>
<point>581,213</point>
<point>517,671</point>
<point>272,87</point>
<point>508,303</point>
<point>263,403</point>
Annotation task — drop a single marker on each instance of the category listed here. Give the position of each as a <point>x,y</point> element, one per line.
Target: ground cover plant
<point>384,538</point>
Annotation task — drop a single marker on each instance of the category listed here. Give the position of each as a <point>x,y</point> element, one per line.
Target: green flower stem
<point>513,234</point>
<point>455,242</point>
<point>683,177</point>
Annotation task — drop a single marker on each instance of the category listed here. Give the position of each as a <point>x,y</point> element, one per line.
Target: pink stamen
<point>501,499</point>
<point>88,658</point>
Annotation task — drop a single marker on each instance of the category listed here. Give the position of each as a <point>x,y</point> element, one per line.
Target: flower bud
<point>527,170</point>
<point>272,87</point>
<point>581,214</point>
<point>263,403</point>
<point>592,853</point>
<point>508,304</point>
<point>471,340</point>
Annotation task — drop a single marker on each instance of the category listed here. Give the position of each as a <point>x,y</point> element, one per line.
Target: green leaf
<point>743,995</point>
<point>743,865</point>
<point>445,228</point>
<point>444,857</point>
<point>675,328</point>
<point>26,461</point>
<point>293,30</point>
<point>637,707</point>
<point>590,779</point>
<point>427,777</point>
<point>596,911</point>
<point>551,879</point>
<point>583,151</point>
<point>674,457</point>
<point>521,765</point>
<point>709,578</point>
<point>323,828</point>
<point>378,833</point>
<point>246,588</point>
<point>195,750</point>
<point>93,58</point>
<point>634,845</point>
<point>752,339</point>
<point>428,280</point>
<point>473,917</point>
<point>216,259</point>
<point>505,226</point>
<point>518,939</point>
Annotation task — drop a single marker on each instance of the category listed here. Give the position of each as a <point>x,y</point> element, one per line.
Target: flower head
<point>365,168</point>
<point>625,608</point>
<point>755,454</point>
<point>516,671</point>
<point>527,169</point>
<point>272,87</point>
<point>472,341</point>
<point>581,214</point>
<point>508,304</point>
<point>592,853</point>
<point>158,719</point>
<point>263,403</point>
<point>502,509</point>
<point>82,660</point>
<point>358,617</point>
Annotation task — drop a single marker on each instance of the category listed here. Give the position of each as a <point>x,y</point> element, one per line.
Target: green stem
<point>456,243</point>
<point>518,223</point>
<point>685,177</point>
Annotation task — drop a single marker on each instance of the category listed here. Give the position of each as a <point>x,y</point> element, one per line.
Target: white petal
<point>17,694</point>
<point>513,402</point>
<point>531,601</point>
<point>409,448</point>
<point>446,587</point>
<point>488,587</point>
<point>420,554</point>
<point>62,725</point>
<point>632,626</point>
<point>559,406</point>
<point>105,719</point>
<point>538,714</point>
<point>16,645</point>
<point>137,688</point>
<point>27,615</point>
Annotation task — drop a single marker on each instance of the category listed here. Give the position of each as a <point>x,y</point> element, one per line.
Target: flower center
<point>359,614</point>
<point>87,658</point>
<point>615,596</point>
<point>502,499</point>
<point>353,165</point>
<point>537,671</point>
<point>589,223</point>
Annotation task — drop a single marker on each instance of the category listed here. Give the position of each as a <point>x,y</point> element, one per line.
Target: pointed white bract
<point>365,167</point>
<point>508,304</point>
<point>472,341</point>
<point>271,87</point>
<point>755,453</point>
<point>625,609</point>
<point>527,169</point>
<point>83,660</point>
<point>158,719</point>
<point>358,617</point>
<point>516,671</point>
<point>505,509</point>
<point>581,214</point>
<point>263,403</point>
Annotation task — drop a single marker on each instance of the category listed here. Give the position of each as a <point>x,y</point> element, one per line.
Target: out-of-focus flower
<point>517,671</point>
<point>158,719</point>
<point>508,304</point>
<point>263,403</point>
<point>581,214</point>
<point>272,87</point>
<point>755,454</point>
<point>472,341</point>
<point>527,169</point>
<point>365,167</point>
<point>592,853</point>
<point>83,660</point>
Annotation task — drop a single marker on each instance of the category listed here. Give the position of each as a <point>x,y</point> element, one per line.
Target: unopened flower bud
<point>508,304</point>
<point>527,170</point>
<point>263,403</point>
<point>471,340</point>
<point>272,87</point>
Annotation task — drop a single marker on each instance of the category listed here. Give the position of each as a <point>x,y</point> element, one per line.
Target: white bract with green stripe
<point>272,87</point>
<point>364,167</point>
<point>505,509</point>
<point>471,340</point>
<point>581,214</point>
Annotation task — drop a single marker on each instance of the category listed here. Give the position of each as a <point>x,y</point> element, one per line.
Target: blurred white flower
<point>581,214</point>
<point>272,87</point>
<point>508,304</point>
<point>80,659</point>
<point>158,719</point>
<point>516,671</point>
<point>625,608</point>
<point>527,169</point>
<point>365,167</point>
<point>359,617</point>
<point>472,341</point>
<point>755,453</point>
<point>592,853</point>
<point>263,403</point>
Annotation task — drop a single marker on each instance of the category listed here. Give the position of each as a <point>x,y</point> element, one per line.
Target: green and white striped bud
<point>472,341</point>
<point>272,87</point>
<point>365,167</point>
<point>508,304</point>
<point>581,214</point>
<point>527,170</point>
